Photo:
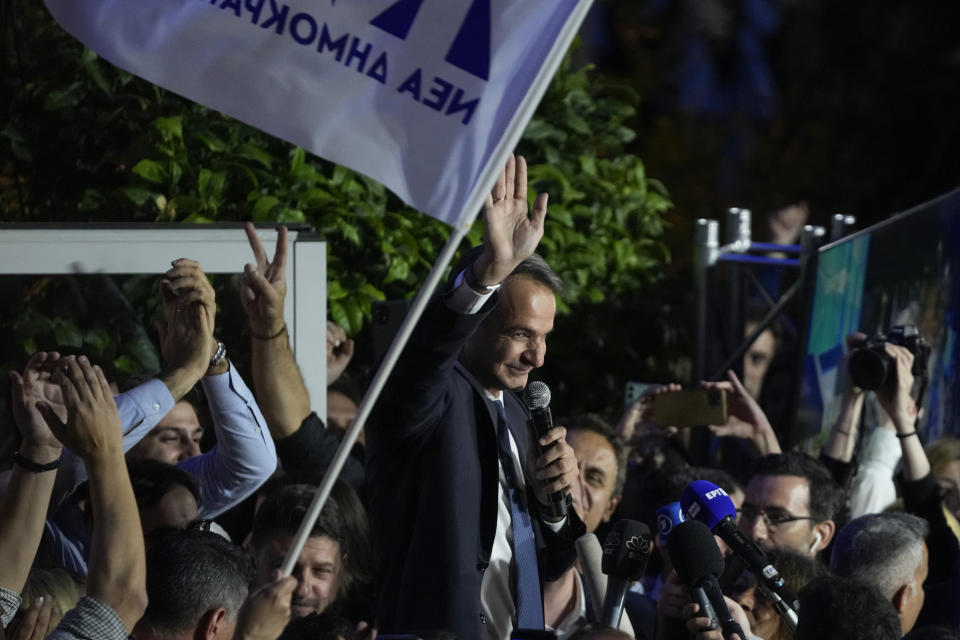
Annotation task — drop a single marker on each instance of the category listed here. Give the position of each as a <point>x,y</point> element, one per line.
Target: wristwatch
<point>469,278</point>
<point>219,356</point>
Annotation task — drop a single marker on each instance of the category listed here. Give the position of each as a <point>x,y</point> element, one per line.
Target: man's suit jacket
<point>433,476</point>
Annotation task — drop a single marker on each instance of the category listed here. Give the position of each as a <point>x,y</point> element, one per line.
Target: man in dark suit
<point>458,486</point>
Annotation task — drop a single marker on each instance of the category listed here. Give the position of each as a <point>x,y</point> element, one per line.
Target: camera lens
<point>869,367</point>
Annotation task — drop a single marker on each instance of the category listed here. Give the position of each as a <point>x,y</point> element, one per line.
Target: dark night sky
<point>852,107</point>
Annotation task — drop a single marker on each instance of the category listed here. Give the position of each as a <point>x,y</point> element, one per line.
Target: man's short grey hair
<point>882,549</point>
<point>189,573</point>
<point>537,269</point>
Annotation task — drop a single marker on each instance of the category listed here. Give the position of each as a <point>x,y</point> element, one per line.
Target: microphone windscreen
<point>668,516</point>
<point>694,553</point>
<point>708,503</point>
<point>590,554</point>
<point>536,395</point>
<point>626,550</point>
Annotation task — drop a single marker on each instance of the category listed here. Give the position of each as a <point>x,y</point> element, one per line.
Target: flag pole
<point>467,217</point>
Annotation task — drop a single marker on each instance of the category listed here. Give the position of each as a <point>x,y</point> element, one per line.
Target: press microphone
<point>590,554</point>
<point>709,504</point>
<point>536,396</point>
<point>625,554</point>
<point>698,562</point>
<point>668,516</point>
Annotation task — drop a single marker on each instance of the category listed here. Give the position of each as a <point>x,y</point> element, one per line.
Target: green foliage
<point>92,142</point>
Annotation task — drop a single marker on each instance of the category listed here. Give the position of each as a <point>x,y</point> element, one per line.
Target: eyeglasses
<point>773,517</point>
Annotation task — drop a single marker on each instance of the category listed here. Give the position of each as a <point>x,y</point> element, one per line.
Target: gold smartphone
<point>690,407</point>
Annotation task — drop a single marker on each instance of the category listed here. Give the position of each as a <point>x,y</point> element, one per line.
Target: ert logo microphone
<point>716,493</point>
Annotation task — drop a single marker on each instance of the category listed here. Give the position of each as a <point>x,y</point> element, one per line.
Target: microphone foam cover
<point>626,550</point>
<point>694,553</point>
<point>536,395</point>
<point>668,516</point>
<point>708,503</point>
<point>590,554</point>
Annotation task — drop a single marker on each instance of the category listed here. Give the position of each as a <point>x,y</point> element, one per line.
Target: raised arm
<point>187,347</point>
<point>280,389</point>
<point>117,575</point>
<point>23,507</point>
<point>638,420</point>
<point>511,230</point>
<point>417,386</point>
<point>843,435</point>
<point>266,611</point>
<point>900,406</point>
<point>746,420</point>
<point>244,456</point>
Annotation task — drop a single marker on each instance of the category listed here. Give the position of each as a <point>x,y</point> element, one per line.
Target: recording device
<point>590,554</point>
<point>632,392</point>
<point>871,366</point>
<point>625,554</point>
<point>386,318</point>
<point>668,516</point>
<point>536,396</point>
<point>690,407</point>
<point>709,504</point>
<point>698,561</point>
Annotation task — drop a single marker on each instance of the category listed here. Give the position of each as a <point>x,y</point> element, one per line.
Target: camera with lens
<point>871,366</point>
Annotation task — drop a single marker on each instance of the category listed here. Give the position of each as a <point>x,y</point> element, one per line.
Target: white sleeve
<point>873,489</point>
<point>244,456</point>
<point>463,299</point>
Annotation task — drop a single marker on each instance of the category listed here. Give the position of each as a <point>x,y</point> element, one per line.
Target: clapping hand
<point>92,429</point>
<point>37,386</point>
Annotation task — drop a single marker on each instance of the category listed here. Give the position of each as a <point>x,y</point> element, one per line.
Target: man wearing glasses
<point>791,502</point>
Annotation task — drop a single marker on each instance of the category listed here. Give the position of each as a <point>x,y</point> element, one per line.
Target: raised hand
<point>895,396</point>
<point>746,419</point>
<point>700,626</point>
<point>37,622</point>
<point>267,610</point>
<point>785,225</point>
<point>185,284</point>
<point>35,386</point>
<point>638,418</point>
<point>92,428</point>
<point>853,341</point>
<point>264,285</point>
<point>339,351</point>
<point>511,231</point>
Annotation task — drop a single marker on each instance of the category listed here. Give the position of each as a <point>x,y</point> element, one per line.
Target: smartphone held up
<point>690,407</point>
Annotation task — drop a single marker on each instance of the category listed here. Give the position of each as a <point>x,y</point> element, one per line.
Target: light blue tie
<point>529,599</point>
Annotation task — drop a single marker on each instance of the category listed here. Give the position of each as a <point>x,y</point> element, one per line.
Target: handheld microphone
<point>625,554</point>
<point>536,396</point>
<point>668,516</point>
<point>709,504</point>
<point>698,562</point>
<point>590,554</point>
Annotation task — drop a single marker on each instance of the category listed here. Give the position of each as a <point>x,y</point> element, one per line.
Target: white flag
<point>425,96</point>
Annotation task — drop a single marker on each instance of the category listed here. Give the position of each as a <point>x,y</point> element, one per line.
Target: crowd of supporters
<point>165,508</point>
